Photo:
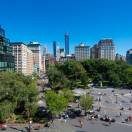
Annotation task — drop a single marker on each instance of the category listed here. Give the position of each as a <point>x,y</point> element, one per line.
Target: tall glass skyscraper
<point>54,49</point>
<point>66,44</point>
<point>6,54</point>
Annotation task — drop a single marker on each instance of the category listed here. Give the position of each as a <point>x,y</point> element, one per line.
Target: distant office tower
<point>23,58</point>
<point>58,55</point>
<point>43,50</point>
<point>94,51</point>
<point>43,64</point>
<point>118,57</point>
<point>106,49</point>
<point>66,44</point>
<point>82,52</point>
<point>129,56</point>
<point>43,54</point>
<point>6,54</point>
<point>67,58</point>
<point>49,59</point>
<point>54,49</point>
<point>35,47</point>
<point>62,53</point>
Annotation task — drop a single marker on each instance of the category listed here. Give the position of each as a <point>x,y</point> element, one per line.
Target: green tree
<point>5,111</point>
<point>31,99</point>
<point>128,76</point>
<point>75,73</point>
<point>68,94</point>
<point>56,78</point>
<point>18,93</point>
<point>86,102</point>
<point>56,103</point>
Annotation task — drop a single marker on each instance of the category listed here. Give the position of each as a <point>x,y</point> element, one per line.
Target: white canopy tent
<point>79,92</point>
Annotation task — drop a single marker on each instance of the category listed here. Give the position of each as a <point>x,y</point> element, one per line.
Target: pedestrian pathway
<point>59,127</point>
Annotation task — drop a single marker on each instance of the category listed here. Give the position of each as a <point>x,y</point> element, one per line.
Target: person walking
<point>81,122</point>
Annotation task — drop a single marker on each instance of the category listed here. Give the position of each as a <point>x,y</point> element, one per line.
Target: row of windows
<point>6,49</point>
<point>6,64</point>
<point>7,69</point>
<point>6,58</point>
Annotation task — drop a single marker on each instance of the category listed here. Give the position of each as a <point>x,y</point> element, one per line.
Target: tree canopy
<point>18,94</point>
<point>86,102</point>
<point>56,103</point>
<point>73,74</point>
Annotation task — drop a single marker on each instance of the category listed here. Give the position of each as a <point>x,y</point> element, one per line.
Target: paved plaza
<point>110,102</point>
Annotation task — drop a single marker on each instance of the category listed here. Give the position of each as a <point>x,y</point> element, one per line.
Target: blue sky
<point>86,21</point>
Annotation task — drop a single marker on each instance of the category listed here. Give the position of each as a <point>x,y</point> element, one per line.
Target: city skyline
<point>86,21</point>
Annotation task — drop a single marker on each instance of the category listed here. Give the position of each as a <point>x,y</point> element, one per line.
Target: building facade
<point>54,49</point>
<point>106,49</point>
<point>35,47</point>
<point>30,64</point>
<point>43,64</point>
<point>57,53</point>
<point>62,53</point>
<point>82,52</point>
<point>43,54</point>
<point>94,52</point>
<point>129,56</point>
<point>6,54</point>
<point>67,58</point>
<point>119,57</point>
<point>23,58</point>
<point>66,44</point>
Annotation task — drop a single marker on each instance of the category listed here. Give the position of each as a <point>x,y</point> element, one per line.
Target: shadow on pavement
<point>17,129</point>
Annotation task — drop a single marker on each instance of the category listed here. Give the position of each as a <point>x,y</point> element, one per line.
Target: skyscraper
<point>54,49</point>
<point>66,44</point>
<point>6,54</point>
<point>129,56</point>
<point>62,54</point>
<point>57,53</point>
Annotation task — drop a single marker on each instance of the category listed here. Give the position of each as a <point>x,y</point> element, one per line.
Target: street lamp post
<point>30,126</point>
<point>116,98</point>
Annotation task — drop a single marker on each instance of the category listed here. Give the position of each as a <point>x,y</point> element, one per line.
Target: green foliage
<point>56,103</point>
<point>67,75</point>
<point>86,102</point>
<point>68,94</point>
<point>73,74</point>
<point>5,111</point>
<point>56,78</point>
<point>18,94</point>
<point>107,71</point>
